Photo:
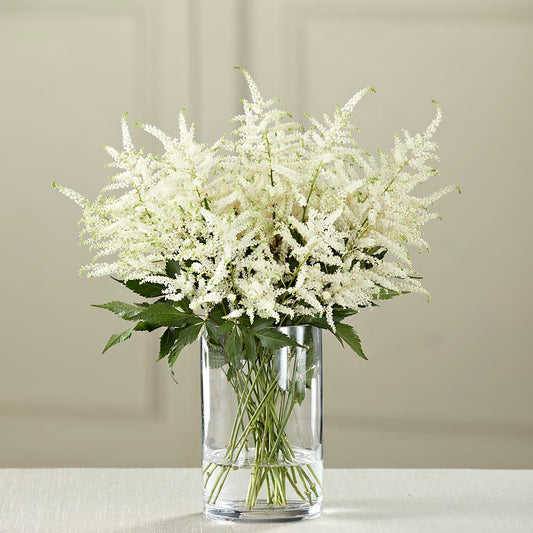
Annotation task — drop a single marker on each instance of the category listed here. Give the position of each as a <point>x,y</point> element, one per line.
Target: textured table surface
<point>167,500</point>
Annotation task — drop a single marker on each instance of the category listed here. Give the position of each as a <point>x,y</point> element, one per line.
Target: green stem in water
<point>267,408</point>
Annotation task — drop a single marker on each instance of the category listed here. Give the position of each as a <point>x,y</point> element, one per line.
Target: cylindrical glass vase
<point>262,429</point>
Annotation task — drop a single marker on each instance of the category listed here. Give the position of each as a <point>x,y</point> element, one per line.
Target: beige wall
<point>448,383</point>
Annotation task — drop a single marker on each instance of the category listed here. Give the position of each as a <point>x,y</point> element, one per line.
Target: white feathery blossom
<point>275,220</point>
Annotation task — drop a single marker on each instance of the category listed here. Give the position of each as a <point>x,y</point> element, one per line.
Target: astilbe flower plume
<point>274,221</point>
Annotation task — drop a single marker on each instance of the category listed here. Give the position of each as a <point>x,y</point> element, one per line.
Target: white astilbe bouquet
<point>274,221</point>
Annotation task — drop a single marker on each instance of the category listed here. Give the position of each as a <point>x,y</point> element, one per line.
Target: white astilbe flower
<point>272,221</point>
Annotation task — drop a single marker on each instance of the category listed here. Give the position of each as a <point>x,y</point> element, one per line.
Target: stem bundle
<point>266,403</point>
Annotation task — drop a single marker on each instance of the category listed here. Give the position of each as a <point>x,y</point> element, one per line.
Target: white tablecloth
<point>169,500</point>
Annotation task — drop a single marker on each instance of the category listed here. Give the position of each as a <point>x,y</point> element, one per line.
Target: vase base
<point>263,512</point>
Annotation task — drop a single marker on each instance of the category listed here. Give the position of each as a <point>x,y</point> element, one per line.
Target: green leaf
<point>262,323</point>
<point>346,333</point>
<point>184,337</point>
<point>250,345</point>
<point>340,313</point>
<point>172,268</point>
<point>378,252</point>
<point>166,342</point>
<point>211,328</point>
<point>231,373</point>
<point>273,339</point>
<point>387,294</point>
<point>298,390</point>
<point>146,326</point>
<point>123,310</point>
<point>319,322</point>
<point>244,321</point>
<point>375,251</point>
<point>146,289</point>
<point>165,314</point>
<point>216,353</point>
<point>118,337</point>
<point>216,314</point>
<point>225,327</point>
<point>184,305</point>
<point>234,346</point>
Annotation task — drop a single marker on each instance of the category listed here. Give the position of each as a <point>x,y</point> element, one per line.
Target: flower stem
<point>263,412</point>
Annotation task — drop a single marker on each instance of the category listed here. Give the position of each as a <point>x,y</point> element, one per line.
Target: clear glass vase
<point>262,430</point>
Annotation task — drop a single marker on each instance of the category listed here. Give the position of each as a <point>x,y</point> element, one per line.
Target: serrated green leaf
<point>346,333</point>
<point>146,326</point>
<point>123,310</point>
<point>117,338</point>
<point>262,323</point>
<point>146,289</point>
<point>172,268</point>
<point>211,328</point>
<point>216,314</point>
<point>234,346</point>
<point>231,373</point>
<point>387,294</point>
<point>340,313</point>
<point>225,328</point>
<point>250,345</point>
<point>244,321</point>
<point>319,322</point>
<point>166,342</point>
<point>184,305</point>
<point>165,314</point>
<point>273,339</point>
<point>184,337</point>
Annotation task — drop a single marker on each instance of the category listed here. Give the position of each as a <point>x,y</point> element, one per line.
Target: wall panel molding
<point>140,13</point>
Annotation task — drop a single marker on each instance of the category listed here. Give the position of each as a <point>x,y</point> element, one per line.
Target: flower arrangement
<point>274,225</point>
